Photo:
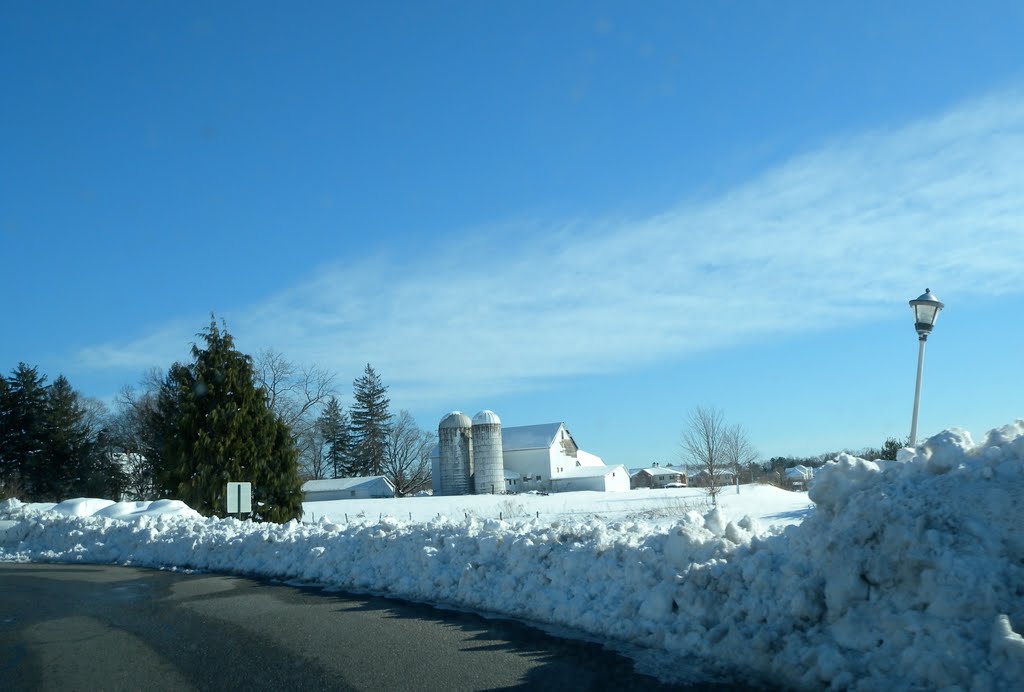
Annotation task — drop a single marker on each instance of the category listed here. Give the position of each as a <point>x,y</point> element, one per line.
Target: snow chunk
<point>82,506</point>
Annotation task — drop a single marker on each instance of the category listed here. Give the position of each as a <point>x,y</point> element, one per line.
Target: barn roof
<point>529,436</point>
<point>327,484</point>
<point>588,459</point>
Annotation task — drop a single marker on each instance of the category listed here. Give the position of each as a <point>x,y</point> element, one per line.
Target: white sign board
<point>239,498</point>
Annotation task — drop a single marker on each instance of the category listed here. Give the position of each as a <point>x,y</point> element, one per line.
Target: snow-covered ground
<point>769,505</point>
<point>905,575</point>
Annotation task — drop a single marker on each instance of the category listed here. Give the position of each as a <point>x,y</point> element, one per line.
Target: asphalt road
<point>93,627</point>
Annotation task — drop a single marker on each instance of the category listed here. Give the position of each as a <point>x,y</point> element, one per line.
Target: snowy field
<point>905,575</point>
<point>770,506</point>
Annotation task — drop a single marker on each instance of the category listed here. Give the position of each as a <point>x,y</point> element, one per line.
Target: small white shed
<point>602,478</point>
<point>355,488</point>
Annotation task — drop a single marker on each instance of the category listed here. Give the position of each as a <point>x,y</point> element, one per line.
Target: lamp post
<point>926,309</point>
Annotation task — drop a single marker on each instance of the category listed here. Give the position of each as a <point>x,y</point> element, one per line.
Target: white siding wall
<point>530,463</point>
<point>559,459</point>
<point>565,485</point>
<point>620,481</point>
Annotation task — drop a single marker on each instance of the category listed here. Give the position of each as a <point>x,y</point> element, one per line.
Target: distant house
<point>603,478</point>
<point>702,479</point>
<point>357,488</point>
<point>657,477</point>
<point>797,477</point>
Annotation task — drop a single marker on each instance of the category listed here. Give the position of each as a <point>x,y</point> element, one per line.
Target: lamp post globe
<point>926,309</point>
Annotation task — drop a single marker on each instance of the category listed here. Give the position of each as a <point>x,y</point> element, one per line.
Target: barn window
<point>538,477</point>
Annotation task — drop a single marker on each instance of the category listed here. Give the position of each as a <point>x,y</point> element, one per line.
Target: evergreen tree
<point>49,449</point>
<point>22,430</point>
<point>334,428</point>
<point>892,447</point>
<point>69,453</point>
<point>370,421</point>
<point>216,427</point>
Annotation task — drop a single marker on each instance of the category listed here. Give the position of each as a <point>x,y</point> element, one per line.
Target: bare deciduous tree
<point>294,393</point>
<point>316,465</point>
<point>133,436</point>
<point>703,448</point>
<point>94,415</point>
<point>740,454</point>
<point>406,461</point>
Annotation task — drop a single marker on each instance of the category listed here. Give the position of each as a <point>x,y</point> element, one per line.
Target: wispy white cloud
<point>841,233</point>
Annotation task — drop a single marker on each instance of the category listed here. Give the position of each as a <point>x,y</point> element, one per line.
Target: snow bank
<point>907,575</point>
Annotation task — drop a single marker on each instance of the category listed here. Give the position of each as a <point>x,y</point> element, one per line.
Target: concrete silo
<point>455,438</point>
<point>488,463</point>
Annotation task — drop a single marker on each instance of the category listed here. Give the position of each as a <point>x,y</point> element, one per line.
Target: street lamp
<point>926,310</point>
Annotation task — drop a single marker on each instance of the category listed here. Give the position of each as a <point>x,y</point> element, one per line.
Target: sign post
<point>239,496</point>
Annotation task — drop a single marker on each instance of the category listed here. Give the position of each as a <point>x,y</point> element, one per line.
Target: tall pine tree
<point>370,420</point>
<point>69,451</point>
<point>334,428</point>
<point>217,427</point>
<point>22,431</point>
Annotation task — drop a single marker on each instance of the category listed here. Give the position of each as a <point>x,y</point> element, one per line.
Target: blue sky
<point>600,213</point>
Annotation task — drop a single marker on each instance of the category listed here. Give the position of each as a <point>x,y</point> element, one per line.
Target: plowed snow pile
<point>907,574</point>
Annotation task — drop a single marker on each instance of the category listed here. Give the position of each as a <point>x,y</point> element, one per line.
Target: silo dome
<point>455,419</point>
<point>486,417</point>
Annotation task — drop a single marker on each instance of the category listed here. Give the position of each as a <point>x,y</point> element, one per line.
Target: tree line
<point>222,416</point>
<point>887,451</point>
<point>53,444</point>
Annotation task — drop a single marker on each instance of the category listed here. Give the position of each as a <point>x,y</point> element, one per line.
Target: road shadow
<point>563,659</point>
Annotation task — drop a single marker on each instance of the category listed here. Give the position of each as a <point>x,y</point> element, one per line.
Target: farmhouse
<point>657,477</point>
<point>360,487</point>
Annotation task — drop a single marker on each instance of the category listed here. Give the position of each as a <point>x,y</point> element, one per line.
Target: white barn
<point>538,452</point>
<point>545,457</point>
<point>359,487</point>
